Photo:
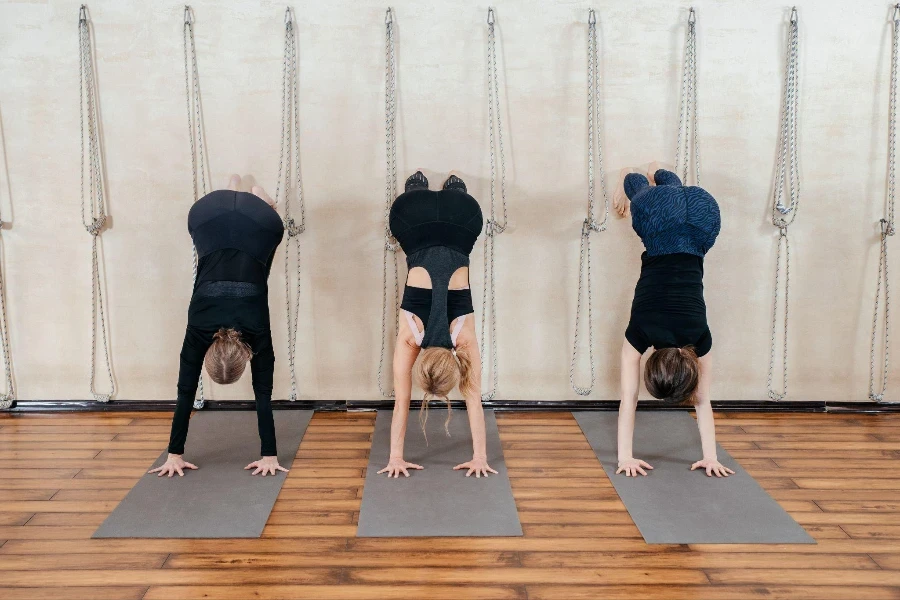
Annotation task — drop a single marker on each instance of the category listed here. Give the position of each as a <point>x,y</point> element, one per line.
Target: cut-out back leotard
<point>437,231</point>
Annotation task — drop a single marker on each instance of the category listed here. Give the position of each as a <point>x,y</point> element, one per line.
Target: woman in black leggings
<point>235,234</point>
<point>437,231</point>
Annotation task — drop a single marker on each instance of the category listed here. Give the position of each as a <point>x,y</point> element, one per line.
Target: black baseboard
<point>761,406</point>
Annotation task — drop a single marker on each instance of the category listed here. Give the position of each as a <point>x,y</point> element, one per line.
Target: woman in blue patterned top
<point>678,225</point>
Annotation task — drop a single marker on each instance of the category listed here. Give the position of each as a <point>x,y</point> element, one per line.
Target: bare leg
<point>261,193</point>
<point>234,182</point>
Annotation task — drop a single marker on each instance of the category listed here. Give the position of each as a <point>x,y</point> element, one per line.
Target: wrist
<point>476,456</point>
<point>396,457</point>
<point>711,457</point>
<point>173,455</point>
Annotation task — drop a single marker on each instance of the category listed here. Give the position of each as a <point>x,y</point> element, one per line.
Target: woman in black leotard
<point>678,224</point>
<point>437,231</point>
<point>235,234</point>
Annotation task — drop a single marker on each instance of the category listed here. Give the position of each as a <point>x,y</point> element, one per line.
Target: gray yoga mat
<point>674,505</point>
<point>218,500</point>
<point>437,501</point>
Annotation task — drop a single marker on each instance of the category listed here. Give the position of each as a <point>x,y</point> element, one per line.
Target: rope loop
<point>82,14</point>
<point>288,16</point>
<point>188,15</point>
<point>96,226</point>
<point>692,16</point>
<point>389,16</point>
<point>794,16</point>
<point>292,227</point>
<point>490,17</point>
<point>592,17</point>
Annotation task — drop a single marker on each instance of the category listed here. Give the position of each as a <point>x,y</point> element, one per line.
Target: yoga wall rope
<point>590,224</point>
<point>93,217</point>
<point>687,115</point>
<point>492,227</point>
<point>290,129</point>
<point>887,229</point>
<point>8,398</point>
<point>787,174</point>
<point>195,133</point>
<point>390,245</point>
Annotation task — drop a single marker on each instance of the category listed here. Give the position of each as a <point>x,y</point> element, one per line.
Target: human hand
<point>632,466</point>
<point>267,465</point>
<point>713,467</point>
<point>398,465</point>
<point>174,464</point>
<point>477,465</point>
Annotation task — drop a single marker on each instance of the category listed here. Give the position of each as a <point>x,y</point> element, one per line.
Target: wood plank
<point>148,577</point>
<point>10,495</point>
<point>859,506</point>
<point>67,520</point>
<point>697,560</point>
<point>41,562</point>
<point>39,454</point>
<point>12,518</point>
<point>874,532</point>
<point>337,592</point>
<point>95,494</point>
<point>66,484</point>
<point>83,593</point>
<point>697,592</point>
<point>55,438</point>
<point>44,533</point>
<point>514,576</point>
<point>310,518</point>
<point>37,474</point>
<point>582,531</point>
<point>309,531</point>
<point>341,559</point>
<point>296,481</point>
<point>841,577</point>
<point>827,445</point>
<point>38,506</point>
<point>223,546</point>
<point>887,561</point>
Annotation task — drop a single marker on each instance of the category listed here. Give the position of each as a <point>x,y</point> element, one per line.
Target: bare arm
<point>706,423</point>
<point>630,381</point>
<point>467,342</point>
<point>405,353</point>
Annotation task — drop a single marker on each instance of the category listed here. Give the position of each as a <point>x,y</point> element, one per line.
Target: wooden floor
<point>839,476</point>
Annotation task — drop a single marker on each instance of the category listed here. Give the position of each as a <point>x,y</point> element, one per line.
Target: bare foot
<point>621,203</point>
<point>261,193</point>
<point>234,182</point>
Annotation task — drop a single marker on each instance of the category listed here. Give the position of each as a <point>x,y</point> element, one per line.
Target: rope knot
<point>887,227</point>
<point>391,243</point>
<point>292,227</point>
<point>590,225</point>
<point>96,225</point>
<point>492,228</point>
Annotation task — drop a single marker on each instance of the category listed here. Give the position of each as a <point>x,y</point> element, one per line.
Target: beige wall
<point>442,125</point>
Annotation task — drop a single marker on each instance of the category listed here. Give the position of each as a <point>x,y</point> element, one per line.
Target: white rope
<point>687,117</point>
<point>390,245</point>
<point>93,217</point>
<point>887,230</point>
<point>290,128</point>
<point>195,134</point>
<point>590,224</point>
<point>9,397</point>
<point>787,175</point>
<point>492,227</point>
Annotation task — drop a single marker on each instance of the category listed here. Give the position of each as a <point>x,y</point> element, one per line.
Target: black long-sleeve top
<point>236,235</point>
